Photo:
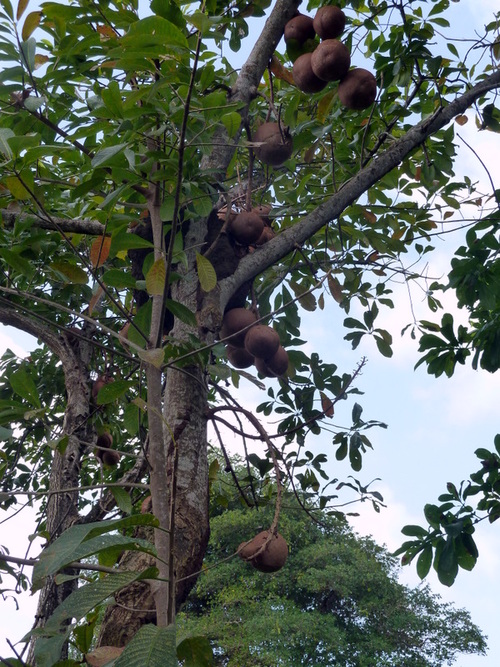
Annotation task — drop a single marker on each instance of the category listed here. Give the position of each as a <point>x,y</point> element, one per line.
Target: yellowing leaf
<point>368,215</point>
<point>335,289</point>
<point>309,154</point>
<point>17,189</point>
<point>21,6</point>
<point>31,23</point>
<point>95,299</point>
<point>40,60</point>
<point>461,120</point>
<point>324,106</point>
<point>327,405</point>
<point>155,278</point>
<point>206,273</point>
<point>73,273</point>
<point>281,72</point>
<point>155,357</point>
<point>99,250</point>
<point>103,655</point>
<point>106,31</point>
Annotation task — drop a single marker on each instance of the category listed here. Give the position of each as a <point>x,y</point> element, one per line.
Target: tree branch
<point>90,227</point>
<point>268,254</point>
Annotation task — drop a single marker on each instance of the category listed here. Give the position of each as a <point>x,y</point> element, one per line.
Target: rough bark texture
<point>62,508</point>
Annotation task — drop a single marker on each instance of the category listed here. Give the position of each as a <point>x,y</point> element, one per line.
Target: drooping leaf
<point>206,273</point>
<point>152,646</point>
<point>73,273</point>
<point>21,7</point>
<point>99,250</point>
<point>181,311</point>
<point>154,356</point>
<point>24,385</point>
<point>31,23</point>
<point>195,652</point>
<point>155,278</point>
<point>113,390</point>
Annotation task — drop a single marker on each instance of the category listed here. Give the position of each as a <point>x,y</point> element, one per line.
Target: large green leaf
<point>24,385</point>
<point>152,646</point>
<point>67,549</point>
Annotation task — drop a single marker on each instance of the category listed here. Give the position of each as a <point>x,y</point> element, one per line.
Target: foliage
<point>336,600</point>
<point>448,544</point>
<point>125,147</point>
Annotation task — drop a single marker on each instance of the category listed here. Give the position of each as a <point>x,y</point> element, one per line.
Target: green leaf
<point>124,240</point>
<point>433,515</point>
<point>122,499</point>
<point>67,548</point>
<point>113,390</point>
<point>152,646</point>
<point>84,599</point>
<point>141,321</point>
<point>424,562</point>
<point>28,49</point>
<point>182,312</point>
<point>106,155</point>
<point>206,273</point>
<point>118,279</point>
<point>196,652</point>
<point>112,98</point>
<point>414,531</point>
<point>231,122</point>
<point>18,262</point>
<point>5,134</point>
<point>24,385</point>
<point>356,413</point>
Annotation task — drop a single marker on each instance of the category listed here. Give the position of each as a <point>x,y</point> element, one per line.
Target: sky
<point>434,425</point>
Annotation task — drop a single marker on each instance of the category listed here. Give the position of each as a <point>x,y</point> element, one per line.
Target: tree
<point>336,601</point>
<point>126,143</point>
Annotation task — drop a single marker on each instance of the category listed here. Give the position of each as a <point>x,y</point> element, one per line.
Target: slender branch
<point>75,564</point>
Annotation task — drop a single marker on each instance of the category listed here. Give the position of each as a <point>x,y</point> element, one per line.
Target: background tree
<point>126,143</point>
<point>337,600</point>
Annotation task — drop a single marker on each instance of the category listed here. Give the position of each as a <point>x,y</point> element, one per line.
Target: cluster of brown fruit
<point>271,558</point>
<point>249,343</point>
<point>253,227</point>
<point>104,449</point>
<point>328,61</point>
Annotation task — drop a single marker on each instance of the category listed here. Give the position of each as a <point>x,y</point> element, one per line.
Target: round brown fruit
<point>299,29</point>
<point>104,440</point>
<point>263,210</point>
<point>110,458</point>
<point>329,22</point>
<point>263,369</point>
<point>262,341</point>
<point>331,60</point>
<point>236,320</point>
<point>273,556</point>
<point>304,78</point>
<point>239,357</point>
<point>358,89</point>
<point>267,235</point>
<point>276,145</point>
<point>246,227</point>
<point>278,363</point>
